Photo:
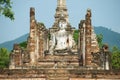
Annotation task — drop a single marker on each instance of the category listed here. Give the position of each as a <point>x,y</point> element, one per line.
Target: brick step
<point>57,71</point>
<point>57,75</point>
<point>51,65</point>
<point>58,78</point>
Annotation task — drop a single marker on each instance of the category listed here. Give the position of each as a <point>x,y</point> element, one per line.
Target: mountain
<point>9,44</point>
<point>110,37</point>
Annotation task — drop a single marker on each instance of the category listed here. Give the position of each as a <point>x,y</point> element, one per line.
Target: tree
<point>23,44</point>
<point>100,39</point>
<point>115,57</point>
<point>76,35</point>
<point>4,58</point>
<point>6,9</point>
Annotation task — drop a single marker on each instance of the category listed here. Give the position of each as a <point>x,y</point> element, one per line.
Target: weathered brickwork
<point>87,39</point>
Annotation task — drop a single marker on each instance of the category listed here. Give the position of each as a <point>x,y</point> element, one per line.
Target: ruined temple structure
<point>56,45</point>
<point>55,48</point>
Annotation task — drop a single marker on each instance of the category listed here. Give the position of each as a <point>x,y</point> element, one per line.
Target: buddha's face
<point>62,24</point>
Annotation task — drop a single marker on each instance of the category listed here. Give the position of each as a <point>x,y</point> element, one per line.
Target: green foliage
<point>100,39</point>
<point>6,9</point>
<point>49,36</point>
<point>42,24</point>
<point>115,58</point>
<point>76,35</point>
<point>4,58</point>
<point>23,44</point>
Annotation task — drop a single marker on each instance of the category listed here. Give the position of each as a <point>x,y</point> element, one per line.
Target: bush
<point>4,58</point>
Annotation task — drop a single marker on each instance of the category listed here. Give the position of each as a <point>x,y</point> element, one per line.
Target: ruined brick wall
<point>37,41</point>
<point>41,41</point>
<point>87,39</point>
<point>15,57</point>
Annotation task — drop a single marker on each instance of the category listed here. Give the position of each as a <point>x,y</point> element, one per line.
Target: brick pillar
<point>32,36</point>
<point>88,28</point>
<point>41,43</point>
<point>81,43</point>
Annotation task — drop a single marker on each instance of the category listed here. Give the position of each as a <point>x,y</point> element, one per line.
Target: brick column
<point>81,43</point>
<point>32,34</point>
<point>88,37</point>
<point>41,43</point>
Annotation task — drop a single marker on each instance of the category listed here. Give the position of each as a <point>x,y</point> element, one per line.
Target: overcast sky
<point>104,13</point>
